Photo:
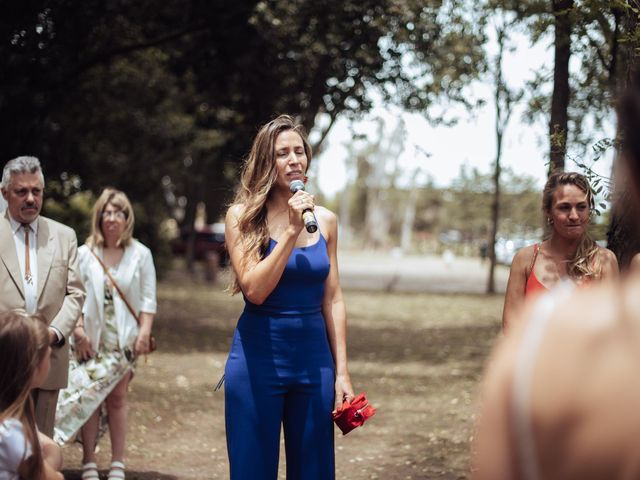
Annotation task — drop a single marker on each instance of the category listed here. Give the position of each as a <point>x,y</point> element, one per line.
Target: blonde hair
<point>119,200</point>
<point>24,343</point>
<point>586,261</point>
<point>256,181</point>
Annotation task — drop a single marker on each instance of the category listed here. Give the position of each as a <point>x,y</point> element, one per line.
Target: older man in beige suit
<point>39,273</point>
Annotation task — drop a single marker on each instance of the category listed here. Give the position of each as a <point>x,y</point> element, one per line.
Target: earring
<point>550,220</point>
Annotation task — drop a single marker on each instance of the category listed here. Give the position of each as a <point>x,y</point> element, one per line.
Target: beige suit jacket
<point>60,291</point>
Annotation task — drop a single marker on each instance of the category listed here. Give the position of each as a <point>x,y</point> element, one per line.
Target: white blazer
<point>136,277</point>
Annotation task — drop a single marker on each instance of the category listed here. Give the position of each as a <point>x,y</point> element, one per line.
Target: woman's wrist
<point>79,332</point>
<point>144,332</point>
<point>292,232</point>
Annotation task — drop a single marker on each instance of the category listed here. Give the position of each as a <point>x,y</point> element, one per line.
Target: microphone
<point>310,222</point>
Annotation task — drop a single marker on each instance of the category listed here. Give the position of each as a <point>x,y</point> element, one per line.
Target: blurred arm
<point>610,264</point>
<point>514,296</point>
<point>493,457</point>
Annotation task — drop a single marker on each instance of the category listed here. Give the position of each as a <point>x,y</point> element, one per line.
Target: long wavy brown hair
<point>24,342</point>
<point>256,182</point>
<point>586,261</point>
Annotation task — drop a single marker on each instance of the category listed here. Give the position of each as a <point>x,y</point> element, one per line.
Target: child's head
<point>24,359</point>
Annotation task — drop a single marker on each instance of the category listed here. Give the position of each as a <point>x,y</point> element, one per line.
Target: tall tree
<point>623,237</point>
<point>558,124</point>
<point>504,99</point>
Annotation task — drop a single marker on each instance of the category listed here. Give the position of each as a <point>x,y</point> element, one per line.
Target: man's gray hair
<point>20,165</point>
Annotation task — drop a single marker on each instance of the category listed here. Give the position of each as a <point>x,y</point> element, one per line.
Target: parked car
<point>506,248</point>
<point>209,239</point>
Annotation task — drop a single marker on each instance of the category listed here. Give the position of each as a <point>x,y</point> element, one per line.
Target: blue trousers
<point>280,371</point>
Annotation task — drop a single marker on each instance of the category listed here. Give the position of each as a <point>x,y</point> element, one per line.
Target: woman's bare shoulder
<point>235,210</point>
<point>328,221</point>
<point>607,255</point>
<point>609,263</point>
<point>523,257</point>
<point>325,213</point>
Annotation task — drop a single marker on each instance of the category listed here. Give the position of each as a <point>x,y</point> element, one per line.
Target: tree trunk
<point>376,218</point>
<point>495,215</point>
<point>502,97</point>
<point>623,236</point>
<point>499,125</point>
<point>558,124</point>
<point>346,236</point>
<point>409,215</point>
<point>194,198</point>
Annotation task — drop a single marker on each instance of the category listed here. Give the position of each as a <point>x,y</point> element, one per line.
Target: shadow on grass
<point>131,475</point>
<point>190,337</point>
<point>433,345</point>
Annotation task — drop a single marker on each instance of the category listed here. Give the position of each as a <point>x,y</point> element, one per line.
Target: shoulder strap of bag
<point>115,285</point>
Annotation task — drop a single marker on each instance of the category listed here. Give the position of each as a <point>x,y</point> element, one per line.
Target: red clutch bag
<point>353,414</point>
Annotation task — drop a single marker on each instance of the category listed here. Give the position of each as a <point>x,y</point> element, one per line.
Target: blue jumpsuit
<point>280,370</point>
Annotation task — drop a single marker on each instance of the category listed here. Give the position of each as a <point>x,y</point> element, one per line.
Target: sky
<point>470,142</point>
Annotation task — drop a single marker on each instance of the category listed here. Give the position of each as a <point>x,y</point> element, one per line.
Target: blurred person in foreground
<point>39,273</point>
<point>568,253</point>
<point>25,359</point>
<point>107,337</point>
<point>288,360</point>
<point>561,393</point>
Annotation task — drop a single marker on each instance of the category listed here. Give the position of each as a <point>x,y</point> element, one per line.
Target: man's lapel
<point>8,253</point>
<point>45,251</point>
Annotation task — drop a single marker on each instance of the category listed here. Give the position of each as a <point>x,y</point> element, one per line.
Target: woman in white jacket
<point>108,337</point>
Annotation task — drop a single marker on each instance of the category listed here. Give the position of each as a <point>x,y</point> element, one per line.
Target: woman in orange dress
<point>561,391</point>
<point>569,252</point>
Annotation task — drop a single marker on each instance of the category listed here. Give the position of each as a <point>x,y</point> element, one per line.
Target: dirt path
<point>418,357</point>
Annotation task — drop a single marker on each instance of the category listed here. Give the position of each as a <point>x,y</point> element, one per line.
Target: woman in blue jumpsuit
<point>288,360</point>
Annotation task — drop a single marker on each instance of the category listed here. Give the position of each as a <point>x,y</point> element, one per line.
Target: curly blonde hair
<point>256,181</point>
<point>586,262</point>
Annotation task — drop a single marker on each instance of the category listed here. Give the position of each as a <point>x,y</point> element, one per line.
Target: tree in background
<point>504,98</point>
<point>604,42</point>
<point>162,100</point>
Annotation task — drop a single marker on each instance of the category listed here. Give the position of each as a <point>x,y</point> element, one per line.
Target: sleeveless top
<point>14,448</point>
<point>533,284</point>
<point>300,289</point>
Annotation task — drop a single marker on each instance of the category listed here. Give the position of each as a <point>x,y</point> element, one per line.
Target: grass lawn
<point>419,357</point>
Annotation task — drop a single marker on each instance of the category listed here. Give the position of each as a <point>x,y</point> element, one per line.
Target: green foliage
<point>601,39</point>
<point>162,99</point>
<point>72,209</point>
<point>467,205</point>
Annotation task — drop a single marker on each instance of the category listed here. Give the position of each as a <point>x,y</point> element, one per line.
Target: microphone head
<point>296,185</point>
